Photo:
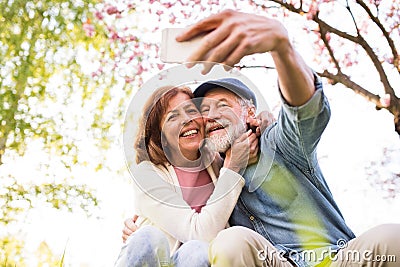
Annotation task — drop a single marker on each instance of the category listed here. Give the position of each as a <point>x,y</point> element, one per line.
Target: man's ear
<point>252,122</point>
<point>251,111</point>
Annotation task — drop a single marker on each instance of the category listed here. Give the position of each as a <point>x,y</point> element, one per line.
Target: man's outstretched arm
<point>233,35</point>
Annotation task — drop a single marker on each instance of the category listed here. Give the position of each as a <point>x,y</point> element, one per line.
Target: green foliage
<point>49,50</point>
<point>10,251</point>
<point>11,254</point>
<point>45,256</point>
<point>15,197</point>
<point>40,40</point>
<point>48,94</point>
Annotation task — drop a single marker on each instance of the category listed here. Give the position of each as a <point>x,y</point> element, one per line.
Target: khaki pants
<point>378,247</point>
<point>239,246</point>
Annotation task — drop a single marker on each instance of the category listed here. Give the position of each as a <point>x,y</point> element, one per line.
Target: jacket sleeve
<point>299,129</point>
<point>161,202</point>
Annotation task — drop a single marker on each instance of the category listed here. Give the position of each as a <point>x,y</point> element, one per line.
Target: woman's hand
<point>265,119</point>
<point>254,149</point>
<point>237,157</point>
<point>129,227</point>
<point>259,123</point>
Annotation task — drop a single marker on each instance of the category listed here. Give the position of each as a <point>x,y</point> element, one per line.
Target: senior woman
<point>180,202</point>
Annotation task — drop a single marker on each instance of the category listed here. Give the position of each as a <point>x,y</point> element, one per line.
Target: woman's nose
<point>187,119</point>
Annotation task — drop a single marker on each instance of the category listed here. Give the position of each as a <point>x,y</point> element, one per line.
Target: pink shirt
<point>196,186</point>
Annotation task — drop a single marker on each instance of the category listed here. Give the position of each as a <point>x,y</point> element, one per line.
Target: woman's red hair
<point>148,142</point>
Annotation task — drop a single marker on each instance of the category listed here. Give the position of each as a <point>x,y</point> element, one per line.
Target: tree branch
<point>352,17</point>
<point>330,50</point>
<point>325,27</point>
<point>339,77</point>
<point>367,48</point>
<point>346,81</point>
<point>375,19</point>
<point>252,67</point>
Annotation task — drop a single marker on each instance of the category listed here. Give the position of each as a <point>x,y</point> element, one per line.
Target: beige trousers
<point>378,247</point>
<point>239,246</point>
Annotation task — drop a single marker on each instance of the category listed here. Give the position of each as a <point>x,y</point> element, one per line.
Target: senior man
<point>286,214</point>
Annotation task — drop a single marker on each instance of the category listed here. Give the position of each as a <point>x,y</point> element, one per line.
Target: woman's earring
<point>164,142</point>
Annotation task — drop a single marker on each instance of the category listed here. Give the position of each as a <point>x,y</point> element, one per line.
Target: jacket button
<point>252,218</point>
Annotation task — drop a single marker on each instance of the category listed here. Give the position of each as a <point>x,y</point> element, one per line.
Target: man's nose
<point>207,119</point>
<point>213,113</point>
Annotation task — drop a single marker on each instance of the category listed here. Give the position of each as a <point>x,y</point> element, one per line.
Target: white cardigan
<point>159,202</point>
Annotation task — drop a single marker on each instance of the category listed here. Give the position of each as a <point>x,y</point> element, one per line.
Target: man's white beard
<point>221,143</point>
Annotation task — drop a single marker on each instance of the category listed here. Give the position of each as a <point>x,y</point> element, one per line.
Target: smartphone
<point>177,52</point>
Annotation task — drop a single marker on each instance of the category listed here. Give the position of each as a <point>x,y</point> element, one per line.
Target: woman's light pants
<point>149,247</point>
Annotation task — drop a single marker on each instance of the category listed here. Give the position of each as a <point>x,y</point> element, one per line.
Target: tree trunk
<point>2,148</point>
<point>395,110</point>
<point>397,123</point>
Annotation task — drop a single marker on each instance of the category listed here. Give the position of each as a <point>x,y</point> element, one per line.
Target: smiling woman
<point>159,109</point>
<point>176,183</point>
<point>182,121</point>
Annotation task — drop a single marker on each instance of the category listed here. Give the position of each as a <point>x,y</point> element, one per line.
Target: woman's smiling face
<point>182,127</point>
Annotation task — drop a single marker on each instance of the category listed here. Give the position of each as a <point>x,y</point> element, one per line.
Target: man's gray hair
<point>247,103</point>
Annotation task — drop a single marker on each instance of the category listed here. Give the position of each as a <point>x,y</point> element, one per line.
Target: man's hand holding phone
<point>173,51</point>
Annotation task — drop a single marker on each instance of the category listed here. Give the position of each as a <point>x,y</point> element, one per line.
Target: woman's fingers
<point>129,227</point>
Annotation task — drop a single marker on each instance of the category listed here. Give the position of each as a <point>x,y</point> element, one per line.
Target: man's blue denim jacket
<point>286,198</point>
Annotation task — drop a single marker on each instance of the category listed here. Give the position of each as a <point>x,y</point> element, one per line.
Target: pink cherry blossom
<point>385,100</point>
<point>89,29</point>
<point>111,10</point>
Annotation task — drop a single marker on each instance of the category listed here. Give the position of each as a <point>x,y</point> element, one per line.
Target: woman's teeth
<point>190,132</point>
